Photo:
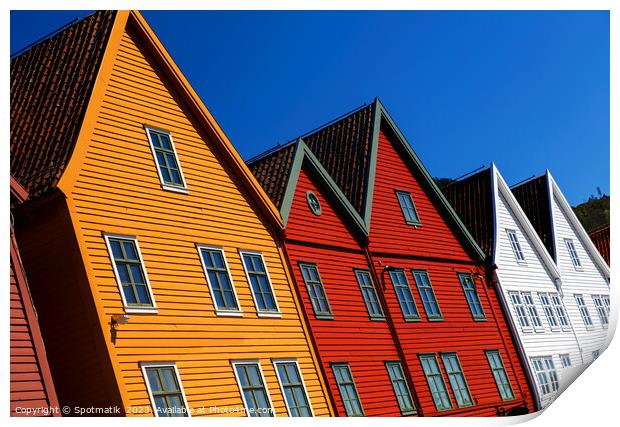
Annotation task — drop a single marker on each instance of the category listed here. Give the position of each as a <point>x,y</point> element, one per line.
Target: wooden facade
<point>112,192</point>
<point>31,385</point>
<point>361,226</point>
<point>600,238</point>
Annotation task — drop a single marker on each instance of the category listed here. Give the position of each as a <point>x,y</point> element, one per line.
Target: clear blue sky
<point>528,90</point>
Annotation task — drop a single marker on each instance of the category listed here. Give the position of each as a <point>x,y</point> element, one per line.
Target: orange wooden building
<point>150,247</point>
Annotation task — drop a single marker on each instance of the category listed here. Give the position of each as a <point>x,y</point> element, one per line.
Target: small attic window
<point>313,203</point>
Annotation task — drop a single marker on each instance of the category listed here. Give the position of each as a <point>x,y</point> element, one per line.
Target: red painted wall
<point>434,247</point>
<point>351,336</point>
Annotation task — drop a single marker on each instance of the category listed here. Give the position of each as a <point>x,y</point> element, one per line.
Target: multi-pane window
<point>565,359</point>
<point>368,293</point>
<point>165,390</point>
<point>559,309</point>
<point>516,246</point>
<point>605,299</point>
<point>545,301</point>
<point>130,272</point>
<point>348,391</point>
<point>531,309</point>
<point>427,294</point>
<point>219,280</point>
<point>583,310</point>
<point>572,252</point>
<point>471,294</point>
<point>457,379</point>
<point>408,207</point>
<point>546,374</point>
<point>432,371</point>
<point>316,291</point>
<point>601,309</point>
<point>259,281</point>
<point>499,373</point>
<point>517,303</point>
<point>404,295</point>
<point>401,389</point>
<point>252,385</point>
<point>293,388</point>
<point>167,160</point>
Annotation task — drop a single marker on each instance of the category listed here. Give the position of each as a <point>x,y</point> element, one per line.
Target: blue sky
<point>528,90</point>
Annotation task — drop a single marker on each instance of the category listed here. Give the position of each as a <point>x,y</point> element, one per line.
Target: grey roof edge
<point>382,113</point>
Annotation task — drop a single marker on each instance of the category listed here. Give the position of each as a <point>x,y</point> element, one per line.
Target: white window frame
<point>549,310</point>
<point>601,310</point>
<point>259,313</point>
<point>234,364</point>
<point>572,253</point>
<point>517,249</point>
<point>526,315</point>
<point>301,377</point>
<point>554,386</point>
<point>219,311</point>
<point>566,360</point>
<point>528,308</point>
<point>583,311</point>
<point>557,306</point>
<point>128,308</point>
<point>145,365</point>
<point>177,189</point>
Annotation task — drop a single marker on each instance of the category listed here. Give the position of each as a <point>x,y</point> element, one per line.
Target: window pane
<point>348,392</point>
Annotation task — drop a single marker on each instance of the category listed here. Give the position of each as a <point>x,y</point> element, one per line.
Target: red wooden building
<point>600,238</point>
<point>32,389</point>
<point>392,283</point>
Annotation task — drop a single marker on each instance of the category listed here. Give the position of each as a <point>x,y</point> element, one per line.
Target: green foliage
<point>594,213</point>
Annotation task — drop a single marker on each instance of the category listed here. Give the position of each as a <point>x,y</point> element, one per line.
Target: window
<point>573,253</point>
<point>435,382</point>
<point>368,293</point>
<point>457,379</point>
<point>130,274</point>
<point>583,309</point>
<point>531,309</point>
<point>559,309</point>
<point>258,277</point>
<point>548,309</point>
<point>253,390</point>
<point>605,299</point>
<point>499,373</point>
<point>165,390</point>
<point>565,359</point>
<point>293,389</point>
<point>348,391</point>
<point>427,294</point>
<point>516,246</point>
<point>316,291</point>
<point>469,286</point>
<point>595,354</point>
<point>546,374</point>
<point>408,207</point>
<point>524,320</point>
<point>168,168</point>
<point>404,295</point>
<point>601,309</point>
<point>219,280</point>
<point>401,389</point>
<point>313,203</point>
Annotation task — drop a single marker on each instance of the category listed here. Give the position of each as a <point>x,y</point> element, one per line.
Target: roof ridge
<point>526,181</point>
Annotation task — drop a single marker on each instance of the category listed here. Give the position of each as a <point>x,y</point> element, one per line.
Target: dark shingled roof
<point>51,84</point>
<point>342,147</point>
<point>533,196</point>
<point>600,238</point>
<point>472,199</point>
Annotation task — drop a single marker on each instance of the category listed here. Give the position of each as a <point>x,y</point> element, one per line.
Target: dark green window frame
<point>348,390</point>
<point>404,294</point>
<point>500,375</point>
<point>471,294</point>
<point>316,290</point>
<point>260,283</point>
<point>401,389</point>
<point>427,294</point>
<point>407,206</point>
<point>168,165</point>
<point>436,383</point>
<point>293,388</point>
<point>253,389</point>
<point>457,379</point>
<point>219,280</point>
<point>369,294</point>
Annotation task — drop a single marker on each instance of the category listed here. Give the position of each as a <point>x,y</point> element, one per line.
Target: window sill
<point>377,319</point>
<point>539,330</point>
<point>413,319</point>
<point>414,224</point>
<point>480,319</point>
<point>435,319</point>
<point>182,190</point>
<point>229,313</point>
<point>141,310</point>
<point>324,317</point>
<point>269,315</point>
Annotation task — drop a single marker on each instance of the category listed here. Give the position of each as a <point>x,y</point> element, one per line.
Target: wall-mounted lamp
<point>389,268</point>
<point>119,319</point>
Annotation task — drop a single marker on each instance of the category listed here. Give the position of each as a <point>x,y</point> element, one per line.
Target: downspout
<point>390,322</point>
<point>515,337</point>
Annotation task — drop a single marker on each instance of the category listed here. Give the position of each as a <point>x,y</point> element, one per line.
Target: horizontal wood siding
<point>118,191</point>
<point>433,238</point>
<point>351,336</point>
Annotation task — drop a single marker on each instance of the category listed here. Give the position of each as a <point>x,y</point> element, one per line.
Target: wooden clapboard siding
<point>351,336</point>
<point>117,190</point>
<point>433,238</point>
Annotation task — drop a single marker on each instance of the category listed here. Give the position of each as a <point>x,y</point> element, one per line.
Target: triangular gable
<point>204,119</point>
<point>569,214</point>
